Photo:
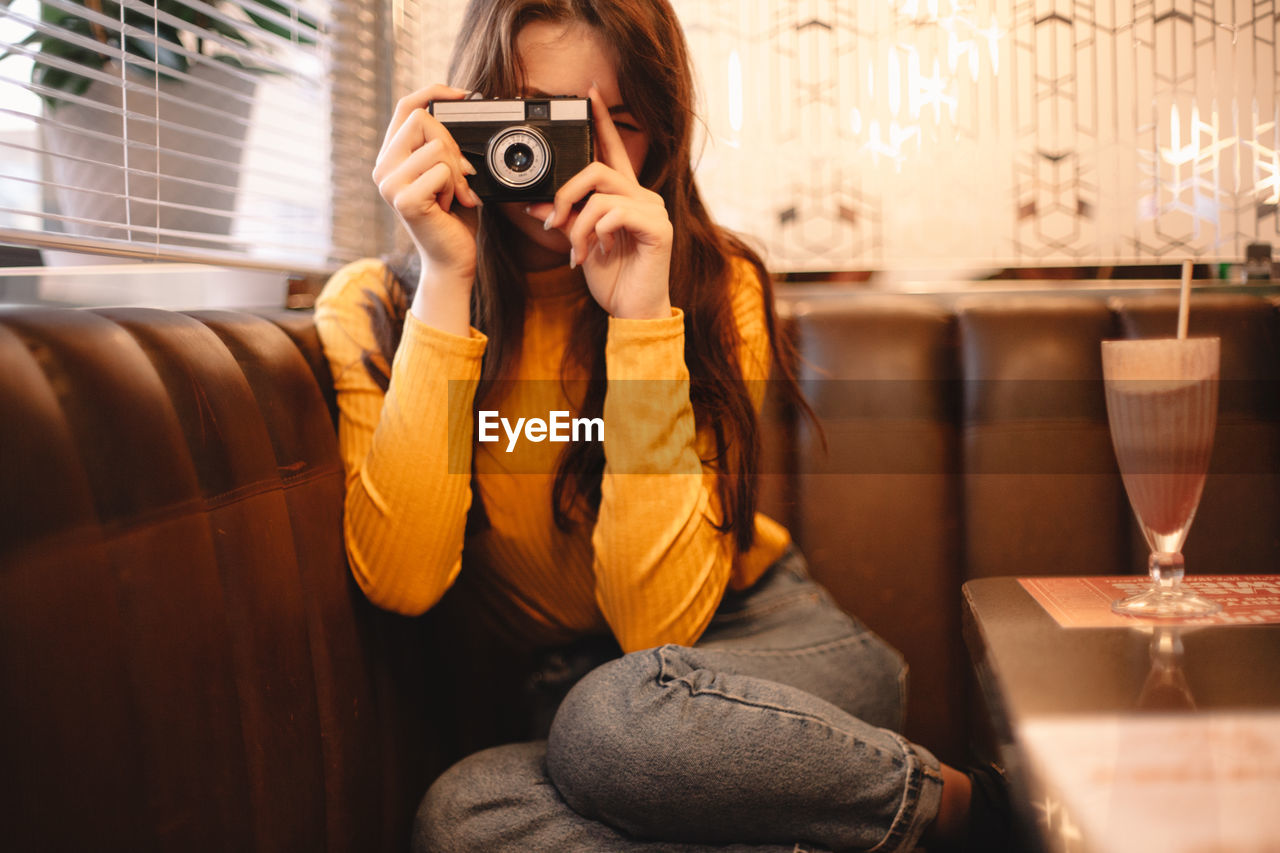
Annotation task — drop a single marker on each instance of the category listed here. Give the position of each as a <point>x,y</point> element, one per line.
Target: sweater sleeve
<point>661,565</point>
<point>407,451</point>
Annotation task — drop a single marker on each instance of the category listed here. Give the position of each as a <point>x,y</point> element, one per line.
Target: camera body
<point>523,149</point>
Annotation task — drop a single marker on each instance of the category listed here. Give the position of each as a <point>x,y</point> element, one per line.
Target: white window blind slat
<point>193,182</point>
<point>247,55</point>
<point>143,238</point>
<point>177,154</point>
<point>139,250</point>
<point>87,42</point>
<point>247,217</point>
<point>198,85</point>
<point>107,27</point>
<point>250,136</point>
<point>298,22</point>
<point>117,80</point>
<point>211,211</point>
<point>123,229</point>
<point>145,63</point>
<point>54,61</point>
<point>219,135</point>
<point>149,65</point>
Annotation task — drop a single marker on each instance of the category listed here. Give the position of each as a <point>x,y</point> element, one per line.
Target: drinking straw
<point>1184,299</point>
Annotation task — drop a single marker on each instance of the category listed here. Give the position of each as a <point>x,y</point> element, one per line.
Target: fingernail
<point>573,258</point>
<point>467,168</point>
<point>546,226</point>
<point>600,247</point>
<point>475,197</point>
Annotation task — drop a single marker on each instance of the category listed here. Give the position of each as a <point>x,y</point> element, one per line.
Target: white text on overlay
<point>558,427</point>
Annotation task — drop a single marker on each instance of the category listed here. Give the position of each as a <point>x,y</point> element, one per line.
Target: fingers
<point>422,141</point>
<point>604,218</point>
<point>595,177</point>
<point>418,101</point>
<point>540,210</point>
<point>429,159</point>
<point>429,189</point>
<point>612,152</point>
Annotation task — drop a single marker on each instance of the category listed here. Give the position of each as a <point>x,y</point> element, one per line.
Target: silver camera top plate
<point>562,109</point>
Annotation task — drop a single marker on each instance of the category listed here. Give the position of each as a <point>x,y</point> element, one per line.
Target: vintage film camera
<point>523,149</point>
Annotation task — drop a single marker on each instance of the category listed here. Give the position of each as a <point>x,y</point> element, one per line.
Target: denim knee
<point>459,812</point>
<point>891,710</point>
<point>595,731</point>
<point>868,676</point>
<point>694,745</point>
<point>443,810</point>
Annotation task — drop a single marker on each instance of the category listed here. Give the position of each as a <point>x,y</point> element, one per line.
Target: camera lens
<point>519,157</point>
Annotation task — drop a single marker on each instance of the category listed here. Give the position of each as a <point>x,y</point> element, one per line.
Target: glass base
<point>1165,603</point>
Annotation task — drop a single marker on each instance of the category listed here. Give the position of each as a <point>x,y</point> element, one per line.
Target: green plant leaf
<point>304,23</point>
<point>270,26</point>
<point>31,38</point>
<point>227,31</point>
<point>160,45</point>
<point>158,53</point>
<point>71,52</point>
<point>234,61</point>
<point>62,80</point>
<point>54,78</point>
<point>181,10</point>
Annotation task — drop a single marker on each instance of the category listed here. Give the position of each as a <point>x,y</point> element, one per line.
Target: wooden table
<point>1131,738</point>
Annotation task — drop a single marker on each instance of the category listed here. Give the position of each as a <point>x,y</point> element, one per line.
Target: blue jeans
<point>777,731</point>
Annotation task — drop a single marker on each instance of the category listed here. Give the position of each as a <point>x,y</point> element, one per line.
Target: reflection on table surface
<point>1043,668</point>
<point>1156,782</point>
<point>1148,737</point>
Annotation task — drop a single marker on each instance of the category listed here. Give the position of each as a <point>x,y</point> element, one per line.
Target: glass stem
<point>1166,570</point>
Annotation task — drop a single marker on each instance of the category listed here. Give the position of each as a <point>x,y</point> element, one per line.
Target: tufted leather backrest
<point>876,511</point>
<point>186,662</point>
<point>1042,494</point>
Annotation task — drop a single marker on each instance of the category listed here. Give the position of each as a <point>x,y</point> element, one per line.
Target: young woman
<point>734,703</point>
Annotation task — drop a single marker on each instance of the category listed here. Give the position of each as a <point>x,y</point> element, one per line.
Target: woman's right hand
<point>422,174</point>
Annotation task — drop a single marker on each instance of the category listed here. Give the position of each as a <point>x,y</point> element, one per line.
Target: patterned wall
<point>883,133</point>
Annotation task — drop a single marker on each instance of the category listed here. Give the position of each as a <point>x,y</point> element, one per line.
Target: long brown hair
<point>654,74</point>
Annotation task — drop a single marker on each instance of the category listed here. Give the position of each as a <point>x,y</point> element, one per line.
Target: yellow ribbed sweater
<point>651,569</point>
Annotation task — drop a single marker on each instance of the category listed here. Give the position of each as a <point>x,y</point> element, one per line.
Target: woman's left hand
<point>621,235</point>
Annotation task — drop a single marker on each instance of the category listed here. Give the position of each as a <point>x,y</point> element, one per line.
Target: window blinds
<point>422,35</point>
<point>238,133</point>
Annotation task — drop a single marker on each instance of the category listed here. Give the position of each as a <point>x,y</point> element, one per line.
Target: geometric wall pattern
<point>917,133</point>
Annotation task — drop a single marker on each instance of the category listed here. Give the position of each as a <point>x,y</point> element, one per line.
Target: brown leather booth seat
<point>185,663</point>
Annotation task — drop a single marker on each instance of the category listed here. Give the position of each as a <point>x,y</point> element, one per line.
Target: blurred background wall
<point>978,133</point>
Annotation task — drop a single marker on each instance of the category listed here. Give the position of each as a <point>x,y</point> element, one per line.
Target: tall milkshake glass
<point>1162,404</point>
